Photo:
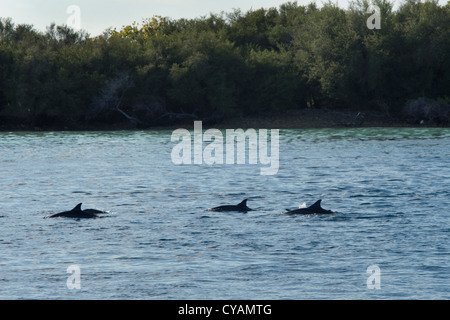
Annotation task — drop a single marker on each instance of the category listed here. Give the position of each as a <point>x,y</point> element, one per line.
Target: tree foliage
<point>233,63</point>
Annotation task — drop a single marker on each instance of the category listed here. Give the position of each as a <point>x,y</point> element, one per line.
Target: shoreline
<point>291,119</point>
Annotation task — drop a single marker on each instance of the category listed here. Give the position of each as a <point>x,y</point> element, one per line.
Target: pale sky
<point>98,15</point>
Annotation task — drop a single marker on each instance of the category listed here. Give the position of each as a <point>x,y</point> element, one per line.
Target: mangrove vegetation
<point>265,61</point>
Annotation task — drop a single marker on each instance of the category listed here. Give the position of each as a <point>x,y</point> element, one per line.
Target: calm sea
<point>390,187</point>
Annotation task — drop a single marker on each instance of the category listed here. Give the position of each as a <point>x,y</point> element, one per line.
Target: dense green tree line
<point>266,60</point>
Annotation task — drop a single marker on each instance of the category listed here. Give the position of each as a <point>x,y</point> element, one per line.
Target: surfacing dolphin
<point>316,208</point>
<point>77,213</point>
<point>241,207</point>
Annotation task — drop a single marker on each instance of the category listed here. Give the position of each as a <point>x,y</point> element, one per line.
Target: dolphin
<point>241,207</point>
<point>77,213</point>
<point>314,209</point>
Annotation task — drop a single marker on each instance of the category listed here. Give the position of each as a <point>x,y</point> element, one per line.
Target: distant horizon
<point>98,16</point>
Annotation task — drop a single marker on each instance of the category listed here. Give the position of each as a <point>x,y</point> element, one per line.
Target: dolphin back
<point>77,213</point>
<point>241,207</point>
<point>316,208</point>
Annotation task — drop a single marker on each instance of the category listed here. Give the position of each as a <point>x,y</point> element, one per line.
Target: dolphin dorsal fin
<point>316,205</point>
<point>243,203</point>
<point>78,207</point>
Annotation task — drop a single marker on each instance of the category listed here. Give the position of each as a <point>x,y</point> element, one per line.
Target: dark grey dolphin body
<point>316,208</point>
<point>241,207</point>
<point>77,213</point>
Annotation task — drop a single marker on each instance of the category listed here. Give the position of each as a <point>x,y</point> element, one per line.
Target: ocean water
<point>390,188</point>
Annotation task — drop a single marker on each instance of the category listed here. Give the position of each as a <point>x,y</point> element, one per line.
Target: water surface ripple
<point>391,187</point>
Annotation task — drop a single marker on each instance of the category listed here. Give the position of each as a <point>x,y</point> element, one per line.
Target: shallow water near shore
<point>390,187</point>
